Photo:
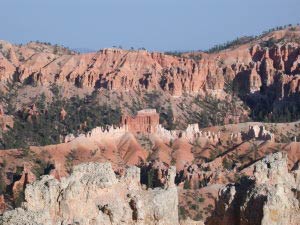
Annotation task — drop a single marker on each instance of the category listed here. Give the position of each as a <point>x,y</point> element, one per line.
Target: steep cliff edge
<point>264,72</point>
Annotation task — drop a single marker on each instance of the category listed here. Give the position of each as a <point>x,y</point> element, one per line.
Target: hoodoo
<point>146,121</point>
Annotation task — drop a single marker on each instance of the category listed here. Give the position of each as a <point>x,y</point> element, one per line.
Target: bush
<point>182,213</point>
<point>227,164</point>
<point>19,199</point>
<point>2,183</point>
<point>201,199</point>
<point>186,184</point>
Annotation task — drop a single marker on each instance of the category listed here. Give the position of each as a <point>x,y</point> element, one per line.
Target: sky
<point>157,25</point>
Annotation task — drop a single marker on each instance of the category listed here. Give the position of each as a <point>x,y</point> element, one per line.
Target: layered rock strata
<point>252,66</point>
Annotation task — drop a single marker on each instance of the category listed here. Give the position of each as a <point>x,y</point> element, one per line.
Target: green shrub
<point>2,183</point>
<point>182,213</point>
<point>19,199</point>
<point>201,199</point>
<point>186,184</point>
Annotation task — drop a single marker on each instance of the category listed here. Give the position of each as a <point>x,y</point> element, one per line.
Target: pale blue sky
<point>154,24</point>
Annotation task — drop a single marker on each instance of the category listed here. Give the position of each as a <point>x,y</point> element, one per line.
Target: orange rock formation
<point>2,204</point>
<point>146,121</point>
<point>251,66</point>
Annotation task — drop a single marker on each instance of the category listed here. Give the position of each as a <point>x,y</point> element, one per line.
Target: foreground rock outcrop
<point>272,197</point>
<point>93,194</point>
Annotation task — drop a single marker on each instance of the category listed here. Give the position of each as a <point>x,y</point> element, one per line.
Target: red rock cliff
<point>146,121</point>
<point>251,65</point>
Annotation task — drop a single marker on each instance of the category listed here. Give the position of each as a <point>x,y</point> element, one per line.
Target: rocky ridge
<point>93,194</point>
<point>270,197</point>
<point>251,66</point>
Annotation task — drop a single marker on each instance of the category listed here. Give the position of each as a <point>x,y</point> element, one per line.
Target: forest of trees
<point>247,39</point>
<point>48,128</point>
<point>284,111</point>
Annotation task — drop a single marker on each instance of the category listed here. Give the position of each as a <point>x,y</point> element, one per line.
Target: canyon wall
<point>252,67</point>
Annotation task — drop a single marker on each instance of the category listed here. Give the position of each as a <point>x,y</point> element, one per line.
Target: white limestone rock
<point>92,195</point>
